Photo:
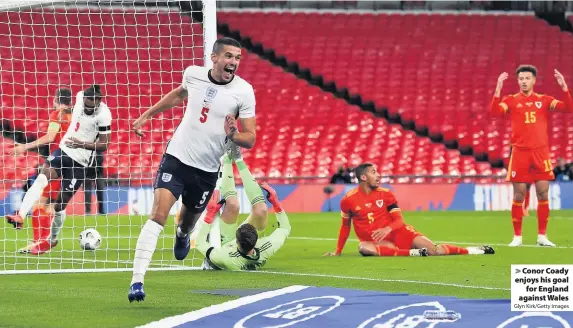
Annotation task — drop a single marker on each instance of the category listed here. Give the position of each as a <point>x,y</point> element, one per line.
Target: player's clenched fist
<point>230,126</point>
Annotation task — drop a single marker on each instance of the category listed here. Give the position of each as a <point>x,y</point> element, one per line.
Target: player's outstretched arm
<point>345,213</point>
<point>170,100</point>
<point>247,137</point>
<point>50,136</point>
<point>47,138</point>
<point>498,106</point>
<point>284,224</point>
<point>271,244</point>
<point>567,104</point>
<point>342,237</point>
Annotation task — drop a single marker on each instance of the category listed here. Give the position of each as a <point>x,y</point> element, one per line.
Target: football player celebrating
<point>379,225</point>
<point>219,101</point>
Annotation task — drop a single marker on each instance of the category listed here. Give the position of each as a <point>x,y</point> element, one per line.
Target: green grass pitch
<point>100,299</point>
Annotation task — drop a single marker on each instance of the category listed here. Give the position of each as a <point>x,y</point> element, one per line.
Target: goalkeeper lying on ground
<point>231,209</point>
<point>246,251</point>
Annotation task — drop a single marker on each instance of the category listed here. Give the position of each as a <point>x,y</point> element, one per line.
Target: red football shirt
<point>368,212</point>
<point>63,120</point>
<point>528,116</point>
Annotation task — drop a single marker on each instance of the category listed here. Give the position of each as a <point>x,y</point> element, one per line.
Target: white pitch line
<point>501,245</point>
<point>437,241</point>
<point>300,274</point>
<point>101,270</point>
<point>71,260</point>
<point>67,259</point>
<point>420,282</point>
<point>561,218</point>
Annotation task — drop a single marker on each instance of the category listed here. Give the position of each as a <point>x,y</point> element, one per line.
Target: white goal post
<point>136,51</point>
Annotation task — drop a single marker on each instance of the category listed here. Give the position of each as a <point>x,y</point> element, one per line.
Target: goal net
<point>137,52</point>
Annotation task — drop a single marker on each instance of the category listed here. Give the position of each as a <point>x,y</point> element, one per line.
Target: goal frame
<point>209,24</point>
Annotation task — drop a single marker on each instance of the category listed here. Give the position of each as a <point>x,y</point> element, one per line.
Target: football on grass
<point>90,239</point>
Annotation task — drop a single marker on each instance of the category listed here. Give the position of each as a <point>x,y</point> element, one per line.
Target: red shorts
<point>52,189</point>
<point>530,165</point>
<point>404,237</point>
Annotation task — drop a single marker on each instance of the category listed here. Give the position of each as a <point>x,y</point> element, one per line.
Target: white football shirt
<point>199,140</point>
<point>86,128</point>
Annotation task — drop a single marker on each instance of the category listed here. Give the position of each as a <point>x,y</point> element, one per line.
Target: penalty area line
<point>419,282</point>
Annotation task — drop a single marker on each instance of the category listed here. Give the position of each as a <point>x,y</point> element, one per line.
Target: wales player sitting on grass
<point>246,251</point>
<point>379,224</point>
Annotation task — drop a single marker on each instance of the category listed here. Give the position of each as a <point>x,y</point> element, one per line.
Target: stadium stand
<point>450,97</point>
<point>308,132</point>
<point>304,131</point>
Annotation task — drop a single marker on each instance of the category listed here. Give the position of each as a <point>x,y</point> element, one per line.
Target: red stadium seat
<point>439,70</point>
<point>302,130</point>
<point>16,169</point>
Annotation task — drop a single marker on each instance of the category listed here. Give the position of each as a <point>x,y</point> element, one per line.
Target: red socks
<point>41,224</point>
<point>36,224</point>
<point>517,217</point>
<point>542,216</point>
<point>454,250</point>
<point>389,251</point>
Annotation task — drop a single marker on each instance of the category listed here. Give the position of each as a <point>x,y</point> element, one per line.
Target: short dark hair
<point>360,169</point>
<point>526,68</point>
<point>64,96</point>
<point>93,92</point>
<point>225,41</point>
<point>247,237</point>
